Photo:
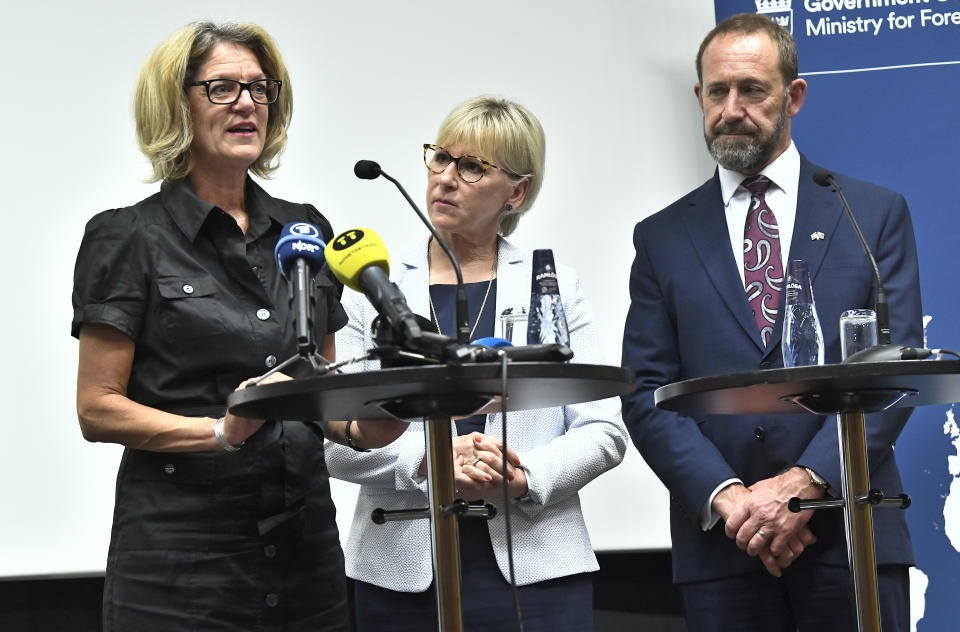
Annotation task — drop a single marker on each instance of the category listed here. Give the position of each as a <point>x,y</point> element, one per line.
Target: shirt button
<point>759,433</point>
<point>272,600</point>
<point>263,313</point>
<point>187,288</point>
<point>270,551</point>
<point>169,468</point>
<point>270,360</point>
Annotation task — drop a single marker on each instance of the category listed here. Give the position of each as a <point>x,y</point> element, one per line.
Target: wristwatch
<point>816,480</point>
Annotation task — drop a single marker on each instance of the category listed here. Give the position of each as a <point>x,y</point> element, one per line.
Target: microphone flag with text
<point>299,255</point>
<point>359,260</point>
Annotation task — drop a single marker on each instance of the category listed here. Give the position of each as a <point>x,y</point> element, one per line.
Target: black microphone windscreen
<point>366,170</point>
<point>823,177</point>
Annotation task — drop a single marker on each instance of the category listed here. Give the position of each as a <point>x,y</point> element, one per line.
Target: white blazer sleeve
<point>394,466</point>
<point>593,438</point>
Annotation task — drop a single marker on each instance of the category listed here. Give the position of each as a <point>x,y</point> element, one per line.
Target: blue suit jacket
<point>689,318</point>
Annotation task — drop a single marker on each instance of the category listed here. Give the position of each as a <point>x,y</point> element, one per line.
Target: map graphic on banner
<point>883,82</point>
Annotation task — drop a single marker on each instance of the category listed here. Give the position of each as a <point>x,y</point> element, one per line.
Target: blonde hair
<point>162,107</point>
<point>508,135</point>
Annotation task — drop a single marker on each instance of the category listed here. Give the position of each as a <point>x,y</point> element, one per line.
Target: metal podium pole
<point>858,518</point>
<point>443,523</point>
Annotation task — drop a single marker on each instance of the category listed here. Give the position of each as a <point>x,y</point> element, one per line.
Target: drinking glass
<point>858,331</point>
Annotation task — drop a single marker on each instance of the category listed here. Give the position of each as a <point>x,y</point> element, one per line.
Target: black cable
<point>506,491</point>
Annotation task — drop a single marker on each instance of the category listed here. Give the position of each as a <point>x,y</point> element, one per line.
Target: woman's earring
<point>507,208</point>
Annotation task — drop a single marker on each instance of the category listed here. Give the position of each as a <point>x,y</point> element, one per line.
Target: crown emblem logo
<point>780,11</point>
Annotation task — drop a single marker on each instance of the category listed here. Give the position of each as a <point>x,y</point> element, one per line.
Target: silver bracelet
<point>222,440</point>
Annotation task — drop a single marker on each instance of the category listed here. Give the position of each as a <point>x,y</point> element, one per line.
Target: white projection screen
<point>611,81</point>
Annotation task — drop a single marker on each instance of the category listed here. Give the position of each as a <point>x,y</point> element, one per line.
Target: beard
<point>745,155</point>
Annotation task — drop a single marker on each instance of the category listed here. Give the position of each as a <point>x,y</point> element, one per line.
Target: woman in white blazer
<point>484,171</point>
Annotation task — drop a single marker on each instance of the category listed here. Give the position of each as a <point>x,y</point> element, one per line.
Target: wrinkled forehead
<point>740,56</point>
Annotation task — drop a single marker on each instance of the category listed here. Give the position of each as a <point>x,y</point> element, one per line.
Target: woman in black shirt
<point>221,522</point>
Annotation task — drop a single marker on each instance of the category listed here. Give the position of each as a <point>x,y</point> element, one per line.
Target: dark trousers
<point>808,598</point>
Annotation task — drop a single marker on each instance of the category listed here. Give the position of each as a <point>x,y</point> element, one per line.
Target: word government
<point>816,6</point>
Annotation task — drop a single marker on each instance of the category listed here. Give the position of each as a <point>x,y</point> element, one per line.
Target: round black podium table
<point>435,394</point>
<point>828,388</point>
<point>425,391</point>
<point>848,390</point>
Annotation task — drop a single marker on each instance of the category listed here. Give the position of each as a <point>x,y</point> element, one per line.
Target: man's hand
<point>763,526</point>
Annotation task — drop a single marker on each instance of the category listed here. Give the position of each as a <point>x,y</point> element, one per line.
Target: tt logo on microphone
<point>347,239</point>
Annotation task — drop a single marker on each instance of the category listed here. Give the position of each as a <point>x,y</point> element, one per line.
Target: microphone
<point>359,260</point>
<point>299,255</point>
<point>370,170</point>
<point>825,179</point>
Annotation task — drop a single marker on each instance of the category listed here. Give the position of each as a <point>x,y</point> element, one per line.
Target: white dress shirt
<point>781,197</point>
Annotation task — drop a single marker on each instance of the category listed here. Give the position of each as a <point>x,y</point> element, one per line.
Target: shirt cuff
<point>708,517</point>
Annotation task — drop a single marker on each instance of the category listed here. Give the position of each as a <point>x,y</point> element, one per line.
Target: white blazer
<point>561,448</point>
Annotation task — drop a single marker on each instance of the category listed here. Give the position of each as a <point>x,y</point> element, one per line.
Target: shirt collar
<point>189,211</point>
<point>783,173</point>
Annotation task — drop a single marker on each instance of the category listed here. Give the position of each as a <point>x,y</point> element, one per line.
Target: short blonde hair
<point>508,135</point>
<point>162,107</point>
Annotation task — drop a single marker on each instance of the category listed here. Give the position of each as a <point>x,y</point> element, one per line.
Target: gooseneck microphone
<point>370,170</point>
<point>825,179</point>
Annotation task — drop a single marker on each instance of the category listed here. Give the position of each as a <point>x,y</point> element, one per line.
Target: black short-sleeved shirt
<point>212,540</point>
<point>204,303</point>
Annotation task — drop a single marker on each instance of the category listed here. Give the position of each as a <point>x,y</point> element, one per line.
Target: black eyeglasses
<point>470,168</point>
<point>227,91</point>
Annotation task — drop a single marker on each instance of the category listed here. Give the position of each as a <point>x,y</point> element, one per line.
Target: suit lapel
<point>706,224</point>
<point>513,279</point>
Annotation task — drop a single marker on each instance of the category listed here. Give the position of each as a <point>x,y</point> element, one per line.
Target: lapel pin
<point>817,236</point>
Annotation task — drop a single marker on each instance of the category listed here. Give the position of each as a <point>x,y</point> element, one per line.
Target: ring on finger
<point>474,461</point>
<point>762,534</point>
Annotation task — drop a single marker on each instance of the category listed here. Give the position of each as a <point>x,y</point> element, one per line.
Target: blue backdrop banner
<point>884,81</point>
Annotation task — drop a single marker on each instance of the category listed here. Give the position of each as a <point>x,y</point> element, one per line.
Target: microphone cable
<point>506,492</point>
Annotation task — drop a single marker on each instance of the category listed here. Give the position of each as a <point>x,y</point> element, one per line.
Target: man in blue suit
<point>742,560</point>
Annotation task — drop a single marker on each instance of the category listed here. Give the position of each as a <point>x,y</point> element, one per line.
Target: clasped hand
<point>478,468</point>
<point>759,520</point>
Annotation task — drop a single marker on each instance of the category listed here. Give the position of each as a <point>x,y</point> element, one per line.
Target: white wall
<point>610,80</point>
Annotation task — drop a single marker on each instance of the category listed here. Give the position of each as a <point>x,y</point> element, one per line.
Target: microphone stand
<point>880,305</point>
<point>302,294</point>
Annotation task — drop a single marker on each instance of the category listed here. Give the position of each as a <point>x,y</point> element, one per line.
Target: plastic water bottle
<point>547,322</point>
<point>802,337</point>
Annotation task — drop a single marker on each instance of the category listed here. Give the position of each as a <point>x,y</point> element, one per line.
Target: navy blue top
<point>443,297</point>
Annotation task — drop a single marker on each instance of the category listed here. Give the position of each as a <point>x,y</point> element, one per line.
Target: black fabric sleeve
<point>108,278</point>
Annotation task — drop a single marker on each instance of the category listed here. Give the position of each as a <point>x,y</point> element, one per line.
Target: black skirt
<point>227,541</point>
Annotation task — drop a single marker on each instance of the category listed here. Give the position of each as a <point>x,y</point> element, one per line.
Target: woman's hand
<point>478,468</point>
<point>237,429</point>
